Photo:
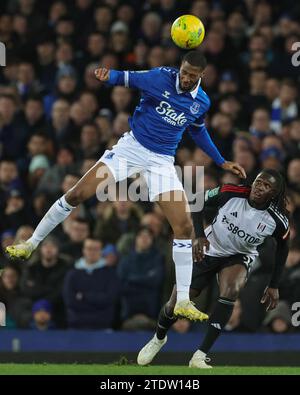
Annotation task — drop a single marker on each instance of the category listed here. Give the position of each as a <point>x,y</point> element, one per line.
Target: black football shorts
<point>204,271</point>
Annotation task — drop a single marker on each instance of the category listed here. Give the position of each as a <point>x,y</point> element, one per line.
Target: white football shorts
<point>128,157</point>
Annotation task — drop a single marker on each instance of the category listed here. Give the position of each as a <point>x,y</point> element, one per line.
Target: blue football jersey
<point>164,111</point>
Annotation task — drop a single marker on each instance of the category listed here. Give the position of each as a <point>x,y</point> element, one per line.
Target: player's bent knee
<point>75,196</point>
<point>183,230</point>
<point>231,291</point>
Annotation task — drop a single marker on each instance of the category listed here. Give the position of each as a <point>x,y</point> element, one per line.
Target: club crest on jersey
<point>194,108</point>
<point>261,227</point>
<point>109,155</point>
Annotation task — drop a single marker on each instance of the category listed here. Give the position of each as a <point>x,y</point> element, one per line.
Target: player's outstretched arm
<point>271,294</point>
<point>142,80</point>
<point>203,140</point>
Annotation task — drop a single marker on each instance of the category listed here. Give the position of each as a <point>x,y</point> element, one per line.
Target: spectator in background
<point>42,315</point>
<point>156,57</point>
<point>142,274</point>
<point>91,290</point>
<point>279,319</point>
<point>38,166</point>
<point>284,107</point>
<point>120,41</point>
<point>103,18</point>
<point>46,66</point>
<point>229,178</point>
<point>96,45</point>
<point>27,83</point>
<point>12,134</point>
<point>54,176</point>
<point>9,180</point>
<point>228,83</point>
<point>78,232</point>
<point>235,322</point>
<point>90,142</point>
<point>65,29</point>
<point>272,89</point>
<point>150,28</point>
<point>248,161</point>
<point>34,115</point>
<point>289,284</point>
<point>259,128</point>
<point>293,177</point>
<point>15,213</point>
<point>64,57</point>
<point>121,98</point>
<point>23,233</point>
<point>66,84</point>
<point>60,127</point>
<point>79,116</point>
<point>89,78</point>
<point>125,13</point>
<point>120,217</point>
<point>57,10</point>
<point>18,307</point>
<point>44,278</point>
<point>293,141</point>
<point>7,237</point>
<point>90,102</point>
<point>224,134</point>
<point>38,145</point>
<point>39,206</point>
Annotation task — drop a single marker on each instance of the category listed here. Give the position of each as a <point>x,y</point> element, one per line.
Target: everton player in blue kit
<point>172,101</point>
<point>243,218</point>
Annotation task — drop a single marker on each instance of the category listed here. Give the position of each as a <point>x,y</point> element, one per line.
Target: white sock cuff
<point>182,245</point>
<point>63,206</point>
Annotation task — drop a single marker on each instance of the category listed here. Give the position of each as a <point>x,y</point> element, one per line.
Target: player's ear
<point>274,193</point>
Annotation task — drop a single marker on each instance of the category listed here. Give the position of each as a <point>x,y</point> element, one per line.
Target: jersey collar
<point>193,93</point>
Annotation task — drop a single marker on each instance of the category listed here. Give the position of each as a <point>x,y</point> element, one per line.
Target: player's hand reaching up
<point>235,168</point>
<point>198,248</point>
<point>102,74</point>
<point>270,298</point>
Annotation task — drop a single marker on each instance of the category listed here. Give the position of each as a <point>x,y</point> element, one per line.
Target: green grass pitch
<point>80,369</point>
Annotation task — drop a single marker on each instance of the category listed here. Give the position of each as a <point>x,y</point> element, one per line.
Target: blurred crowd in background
<point>109,265</point>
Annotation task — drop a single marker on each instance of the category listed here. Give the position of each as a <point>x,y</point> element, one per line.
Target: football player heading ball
<point>172,101</point>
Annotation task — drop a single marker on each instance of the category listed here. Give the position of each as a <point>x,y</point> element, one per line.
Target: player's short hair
<point>195,58</point>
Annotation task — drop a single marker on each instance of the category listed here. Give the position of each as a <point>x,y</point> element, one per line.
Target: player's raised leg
<point>231,280</point>
<point>175,206</point>
<point>97,177</point>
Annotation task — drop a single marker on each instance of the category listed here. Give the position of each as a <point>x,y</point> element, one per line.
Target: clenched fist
<point>102,74</point>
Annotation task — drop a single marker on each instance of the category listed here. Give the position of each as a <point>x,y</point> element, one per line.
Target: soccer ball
<point>187,31</point>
